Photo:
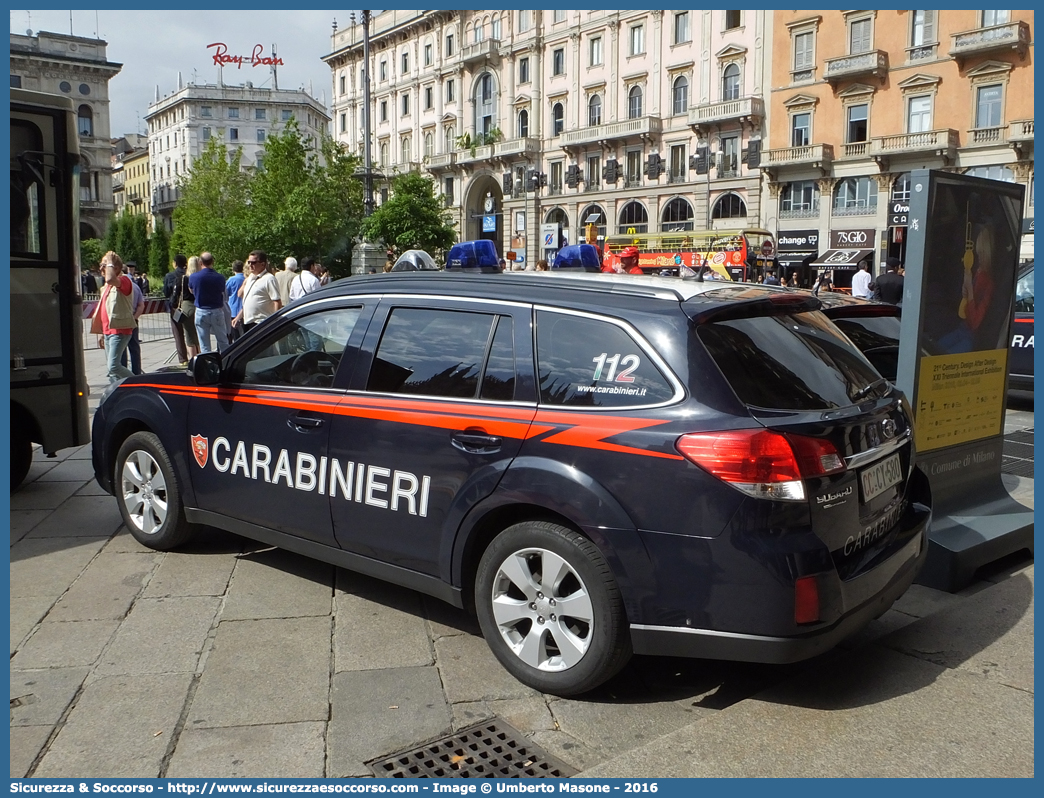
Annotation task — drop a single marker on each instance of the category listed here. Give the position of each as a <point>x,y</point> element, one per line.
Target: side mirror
<point>206,368</point>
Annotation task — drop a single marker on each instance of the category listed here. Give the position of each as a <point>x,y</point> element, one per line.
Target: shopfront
<point>796,250</point>
<point>848,248</point>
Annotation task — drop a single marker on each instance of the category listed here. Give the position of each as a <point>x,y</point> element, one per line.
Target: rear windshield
<point>800,362</point>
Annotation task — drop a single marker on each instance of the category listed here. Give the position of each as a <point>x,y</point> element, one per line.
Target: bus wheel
<point>147,492</point>
<point>21,456</point>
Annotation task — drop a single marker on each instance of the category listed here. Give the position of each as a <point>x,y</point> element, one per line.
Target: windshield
<point>799,362</point>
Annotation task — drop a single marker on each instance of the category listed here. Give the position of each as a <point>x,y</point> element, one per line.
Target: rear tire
<point>550,609</point>
<point>148,494</point>
<point>21,457</point>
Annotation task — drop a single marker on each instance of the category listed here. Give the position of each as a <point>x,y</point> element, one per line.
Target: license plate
<point>879,478</point>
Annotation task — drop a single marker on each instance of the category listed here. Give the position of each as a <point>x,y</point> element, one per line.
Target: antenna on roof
<point>70,24</point>
<point>96,26</point>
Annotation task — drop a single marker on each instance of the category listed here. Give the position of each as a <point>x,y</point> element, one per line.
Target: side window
<point>498,380</point>
<point>27,191</point>
<point>431,353</point>
<point>305,352</point>
<point>585,362</point>
<point>1024,293</point>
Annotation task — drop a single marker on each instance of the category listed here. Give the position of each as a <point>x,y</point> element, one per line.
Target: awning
<point>796,257</point>
<point>842,258</point>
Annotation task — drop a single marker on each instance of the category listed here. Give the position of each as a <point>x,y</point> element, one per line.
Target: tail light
<point>760,462</point>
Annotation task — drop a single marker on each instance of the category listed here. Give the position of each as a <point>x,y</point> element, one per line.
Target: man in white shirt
<point>861,282</point>
<point>285,277</point>
<point>259,291</point>
<point>306,281</point>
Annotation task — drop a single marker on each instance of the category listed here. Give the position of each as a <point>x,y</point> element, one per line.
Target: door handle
<point>304,422</point>
<point>476,441</point>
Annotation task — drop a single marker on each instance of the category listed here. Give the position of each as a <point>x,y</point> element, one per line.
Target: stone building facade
<point>78,68</point>
<point>611,107</point>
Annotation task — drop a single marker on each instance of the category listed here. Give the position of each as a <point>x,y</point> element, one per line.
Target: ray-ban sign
<point>255,59</point>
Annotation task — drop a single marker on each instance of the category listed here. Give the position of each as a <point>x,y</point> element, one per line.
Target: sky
<point>154,46</point>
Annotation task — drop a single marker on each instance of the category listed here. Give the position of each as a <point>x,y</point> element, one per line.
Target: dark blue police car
<point>597,465</point>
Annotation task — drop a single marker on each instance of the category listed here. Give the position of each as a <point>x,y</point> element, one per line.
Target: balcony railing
<point>677,177</point>
<point>816,154</point>
<point>629,128</point>
<point>854,150</point>
<point>732,110</point>
<point>1010,36</point>
<point>632,182</point>
<point>442,161</point>
<point>873,63</point>
<point>810,212</point>
<point>855,209</point>
<point>522,146</point>
<point>487,48</point>
<point>943,141</point>
<point>988,135</point>
<point>483,153</point>
<point>1021,130</point>
<point>592,186</point>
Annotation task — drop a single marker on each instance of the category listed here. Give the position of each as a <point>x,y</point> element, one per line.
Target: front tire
<point>21,456</point>
<point>550,609</point>
<point>147,492</point>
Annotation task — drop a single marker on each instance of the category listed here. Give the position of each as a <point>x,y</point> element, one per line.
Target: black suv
<point>597,465</point>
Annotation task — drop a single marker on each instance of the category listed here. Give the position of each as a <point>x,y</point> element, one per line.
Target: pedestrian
<point>134,345</point>
<point>541,265</point>
<point>770,278</point>
<point>208,289</point>
<point>170,282</point>
<point>824,283</point>
<point>306,280</point>
<point>185,307</point>
<point>259,292</point>
<point>324,274</point>
<point>628,261</point>
<point>139,280</point>
<point>235,303</point>
<point>284,277</point>
<point>87,283</point>
<point>114,317</point>
<point>861,282</point>
<point>389,260</point>
<point>793,279</point>
<point>889,286</point>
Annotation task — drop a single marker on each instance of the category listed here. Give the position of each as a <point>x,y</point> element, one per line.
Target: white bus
<point>48,380</point>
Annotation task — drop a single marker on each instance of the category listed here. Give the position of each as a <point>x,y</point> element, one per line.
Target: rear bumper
<point>676,641</point>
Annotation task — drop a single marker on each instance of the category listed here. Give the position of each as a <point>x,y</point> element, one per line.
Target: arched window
<point>729,206</point>
<point>594,110</point>
<point>429,145</point>
<point>677,215</point>
<point>85,120</point>
<point>485,96</point>
<point>523,123</point>
<point>479,33</point>
<point>384,155</point>
<point>450,143</point>
<point>407,149</point>
<point>600,223</point>
<point>855,196</point>
<point>633,218</point>
<point>634,102</point>
<point>680,96</point>
<point>557,119</point>
<point>730,83</point>
<point>559,217</point>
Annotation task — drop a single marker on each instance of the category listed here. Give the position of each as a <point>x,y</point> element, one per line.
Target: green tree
<point>137,240</point>
<point>91,251</point>
<point>213,213</point>
<point>111,235</point>
<point>159,251</point>
<point>412,218</point>
<point>306,200</point>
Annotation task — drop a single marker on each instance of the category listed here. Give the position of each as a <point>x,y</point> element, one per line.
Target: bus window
<point>26,189</point>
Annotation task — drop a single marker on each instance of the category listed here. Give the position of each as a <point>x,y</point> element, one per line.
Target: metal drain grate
<point>1018,453</point>
<point>488,750</point>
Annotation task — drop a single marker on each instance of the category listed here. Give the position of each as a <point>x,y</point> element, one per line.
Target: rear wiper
<point>867,389</point>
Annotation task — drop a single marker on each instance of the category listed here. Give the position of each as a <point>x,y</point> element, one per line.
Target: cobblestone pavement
<point>229,658</point>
